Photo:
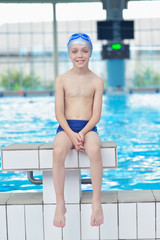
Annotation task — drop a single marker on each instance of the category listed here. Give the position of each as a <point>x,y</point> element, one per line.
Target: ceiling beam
<point>56,1</point>
<point>47,1</point>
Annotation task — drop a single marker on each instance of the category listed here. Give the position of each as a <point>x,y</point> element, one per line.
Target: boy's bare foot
<point>59,216</point>
<point>97,214</point>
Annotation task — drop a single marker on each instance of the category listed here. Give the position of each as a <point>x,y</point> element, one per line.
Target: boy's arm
<point>97,107</point>
<point>60,112</point>
<point>59,104</point>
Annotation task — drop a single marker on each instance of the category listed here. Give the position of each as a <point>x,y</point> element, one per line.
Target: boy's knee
<point>93,151</point>
<point>58,153</point>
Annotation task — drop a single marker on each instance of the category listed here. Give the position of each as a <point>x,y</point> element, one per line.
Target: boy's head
<point>80,38</point>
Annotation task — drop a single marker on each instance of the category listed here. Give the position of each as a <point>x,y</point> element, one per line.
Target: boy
<point>78,103</point>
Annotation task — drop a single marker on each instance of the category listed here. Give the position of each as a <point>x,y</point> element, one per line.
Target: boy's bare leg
<point>92,147</point>
<point>61,145</point>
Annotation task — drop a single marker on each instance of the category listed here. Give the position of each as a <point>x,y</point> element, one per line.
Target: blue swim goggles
<point>83,36</point>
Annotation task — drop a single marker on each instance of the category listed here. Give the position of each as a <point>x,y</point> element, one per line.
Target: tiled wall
<point>127,215</point>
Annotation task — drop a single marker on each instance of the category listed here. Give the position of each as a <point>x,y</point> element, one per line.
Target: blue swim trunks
<point>76,126</point>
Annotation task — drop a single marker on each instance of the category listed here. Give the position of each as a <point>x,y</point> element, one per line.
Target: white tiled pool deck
<point>128,215</point>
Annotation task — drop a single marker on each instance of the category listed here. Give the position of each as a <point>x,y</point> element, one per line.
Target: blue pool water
<point>132,121</point>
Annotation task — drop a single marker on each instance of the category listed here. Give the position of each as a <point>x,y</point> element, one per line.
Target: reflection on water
<point>132,121</point>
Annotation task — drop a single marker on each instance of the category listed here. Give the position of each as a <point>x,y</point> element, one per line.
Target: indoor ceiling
<point>56,1</point>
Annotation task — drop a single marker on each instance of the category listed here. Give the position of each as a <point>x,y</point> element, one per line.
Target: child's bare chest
<point>79,90</point>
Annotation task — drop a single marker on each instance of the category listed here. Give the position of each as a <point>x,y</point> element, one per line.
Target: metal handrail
<point>86,181</point>
<point>32,179</point>
<point>39,181</point>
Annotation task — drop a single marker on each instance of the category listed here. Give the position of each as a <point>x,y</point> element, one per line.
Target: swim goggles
<point>80,38</point>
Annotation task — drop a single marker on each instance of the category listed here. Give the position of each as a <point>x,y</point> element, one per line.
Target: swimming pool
<point>131,120</point>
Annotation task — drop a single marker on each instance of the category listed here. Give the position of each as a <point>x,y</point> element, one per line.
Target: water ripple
<point>132,121</point>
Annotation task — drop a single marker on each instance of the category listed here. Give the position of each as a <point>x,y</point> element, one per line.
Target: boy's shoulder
<point>62,76</point>
<point>97,79</point>
<point>98,82</point>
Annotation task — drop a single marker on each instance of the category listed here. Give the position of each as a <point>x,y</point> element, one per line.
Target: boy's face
<point>79,54</point>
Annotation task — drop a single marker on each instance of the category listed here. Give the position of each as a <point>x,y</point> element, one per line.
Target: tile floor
<point>128,215</point>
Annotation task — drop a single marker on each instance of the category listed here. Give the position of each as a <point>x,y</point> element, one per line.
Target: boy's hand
<point>77,142</point>
<point>81,136</point>
<point>76,139</point>
<point>81,146</point>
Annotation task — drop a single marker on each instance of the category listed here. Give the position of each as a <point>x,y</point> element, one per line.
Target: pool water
<point>131,120</point>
